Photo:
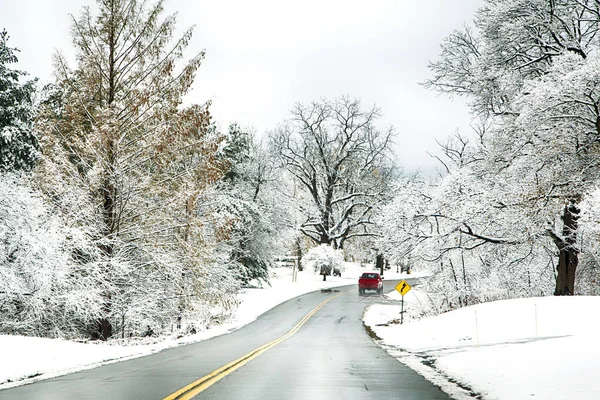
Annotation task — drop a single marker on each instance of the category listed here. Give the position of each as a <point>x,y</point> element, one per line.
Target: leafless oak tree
<point>337,155</point>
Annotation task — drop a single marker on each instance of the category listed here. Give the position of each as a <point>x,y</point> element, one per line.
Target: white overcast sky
<point>264,55</point>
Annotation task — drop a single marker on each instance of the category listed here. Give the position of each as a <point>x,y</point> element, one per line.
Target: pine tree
<point>244,221</point>
<point>19,147</point>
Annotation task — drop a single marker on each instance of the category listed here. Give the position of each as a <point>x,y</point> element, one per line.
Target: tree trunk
<point>568,256</point>
<point>109,190</point>
<point>190,206</point>
<point>379,263</point>
<point>109,193</point>
<point>324,238</point>
<point>104,328</point>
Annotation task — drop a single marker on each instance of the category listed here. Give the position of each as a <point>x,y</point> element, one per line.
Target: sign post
<point>402,311</point>
<point>403,287</point>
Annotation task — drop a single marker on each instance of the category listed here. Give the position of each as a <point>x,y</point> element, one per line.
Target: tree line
<point>125,208</point>
<point>514,212</point>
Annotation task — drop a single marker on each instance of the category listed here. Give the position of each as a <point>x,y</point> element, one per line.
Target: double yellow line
<point>205,382</point>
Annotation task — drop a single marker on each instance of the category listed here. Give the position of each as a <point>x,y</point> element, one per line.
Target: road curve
<point>326,355</point>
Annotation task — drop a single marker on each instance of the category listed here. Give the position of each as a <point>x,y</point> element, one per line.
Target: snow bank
<point>27,359</point>
<point>543,348</point>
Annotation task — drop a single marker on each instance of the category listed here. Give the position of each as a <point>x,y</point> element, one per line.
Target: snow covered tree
<point>114,129</point>
<point>246,213</point>
<point>342,161</point>
<point>19,147</point>
<point>243,233</point>
<point>529,72</point>
<point>43,289</point>
<point>323,259</point>
<point>236,151</point>
<point>456,228</point>
<point>588,275</point>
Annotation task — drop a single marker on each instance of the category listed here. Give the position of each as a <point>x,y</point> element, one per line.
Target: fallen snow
<point>536,348</point>
<point>28,359</point>
<point>283,288</point>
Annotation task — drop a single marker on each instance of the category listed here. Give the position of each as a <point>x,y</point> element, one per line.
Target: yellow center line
<point>203,383</point>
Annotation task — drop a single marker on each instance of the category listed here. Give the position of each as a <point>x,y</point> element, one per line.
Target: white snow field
<point>535,348</point>
<point>28,359</point>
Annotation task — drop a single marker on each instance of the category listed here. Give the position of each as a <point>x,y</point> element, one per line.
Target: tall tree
<point>246,209</point>
<point>114,127</point>
<point>342,161</point>
<point>19,147</point>
<point>529,72</point>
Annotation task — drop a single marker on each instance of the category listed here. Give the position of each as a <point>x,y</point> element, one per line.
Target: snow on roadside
<point>28,359</point>
<point>283,288</point>
<point>543,348</point>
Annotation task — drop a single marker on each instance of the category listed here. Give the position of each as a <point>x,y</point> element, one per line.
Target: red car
<point>370,281</point>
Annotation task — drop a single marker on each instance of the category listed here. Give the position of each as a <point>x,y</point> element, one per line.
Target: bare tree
<point>337,155</point>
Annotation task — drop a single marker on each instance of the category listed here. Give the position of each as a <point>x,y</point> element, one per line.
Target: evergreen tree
<point>19,148</point>
<point>235,152</point>
<point>244,220</point>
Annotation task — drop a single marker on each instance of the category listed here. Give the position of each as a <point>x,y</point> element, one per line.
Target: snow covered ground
<point>536,348</point>
<point>27,359</point>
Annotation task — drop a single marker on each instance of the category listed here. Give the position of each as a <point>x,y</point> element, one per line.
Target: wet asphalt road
<point>330,357</point>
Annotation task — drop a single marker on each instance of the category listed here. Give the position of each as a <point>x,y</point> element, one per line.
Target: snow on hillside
<point>27,359</point>
<point>534,348</point>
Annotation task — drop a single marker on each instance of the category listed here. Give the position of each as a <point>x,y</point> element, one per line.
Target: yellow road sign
<point>403,287</point>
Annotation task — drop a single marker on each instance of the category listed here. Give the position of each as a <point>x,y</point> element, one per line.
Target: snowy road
<point>318,349</point>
